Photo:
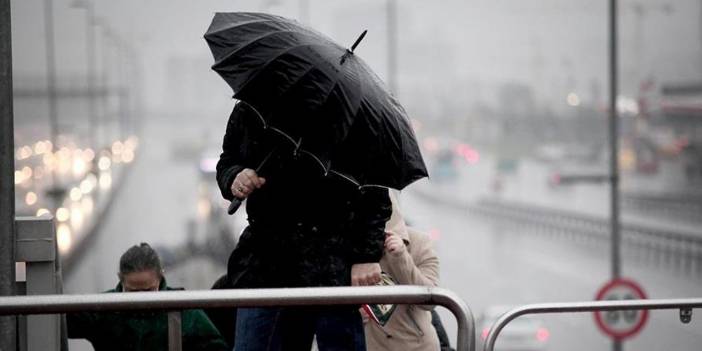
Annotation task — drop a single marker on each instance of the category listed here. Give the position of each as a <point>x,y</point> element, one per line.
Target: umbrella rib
<point>212,33</point>
<point>345,177</point>
<point>297,145</point>
<point>299,79</point>
<point>337,79</point>
<point>252,41</point>
<point>374,186</point>
<point>266,126</point>
<point>321,164</point>
<point>361,86</point>
<point>253,77</point>
<point>266,35</point>
<point>291,85</point>
<point>272,20</point>
<point>258,114</point>
<point>336,84</point>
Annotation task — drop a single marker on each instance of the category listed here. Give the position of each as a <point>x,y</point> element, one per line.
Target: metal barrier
<point>685,306</point>
<point>677,248</point>
<point>36,252</point>
<point>179,300</point>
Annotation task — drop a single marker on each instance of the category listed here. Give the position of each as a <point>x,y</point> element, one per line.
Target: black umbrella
<point>318,96</point>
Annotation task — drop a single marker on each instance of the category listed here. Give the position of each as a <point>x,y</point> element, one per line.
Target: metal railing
<point>179,300</point>
<point>676,248</point>
<point>685,306</point>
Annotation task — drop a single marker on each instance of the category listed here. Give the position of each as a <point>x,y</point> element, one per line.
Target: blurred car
<point>444,166</point>
<point>550,152</point>
<point>527,333</point>
<point>445,156</point>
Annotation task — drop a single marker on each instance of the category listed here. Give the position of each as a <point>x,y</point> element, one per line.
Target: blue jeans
<point>293,329</point>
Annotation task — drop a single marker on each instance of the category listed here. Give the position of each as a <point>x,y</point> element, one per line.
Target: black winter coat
<point>305,229</point>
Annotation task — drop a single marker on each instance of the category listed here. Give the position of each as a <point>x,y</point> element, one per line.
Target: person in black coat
<point>224,319</point>
<point>305,229</point>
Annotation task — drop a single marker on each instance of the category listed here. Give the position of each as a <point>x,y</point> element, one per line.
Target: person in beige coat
<point>409,259</point>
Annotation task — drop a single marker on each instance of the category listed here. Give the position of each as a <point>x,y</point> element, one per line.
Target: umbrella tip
<point>353,47</point>
<point>358,41</point>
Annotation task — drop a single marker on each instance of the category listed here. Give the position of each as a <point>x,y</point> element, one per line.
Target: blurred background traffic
<point>119,122</point>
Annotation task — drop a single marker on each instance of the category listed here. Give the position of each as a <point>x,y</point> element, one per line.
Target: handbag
<point>381,313</point>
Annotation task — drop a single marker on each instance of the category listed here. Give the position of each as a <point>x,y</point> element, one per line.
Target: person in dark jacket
<point>140,270</point>
<point>224,319</point>
<point>305,229</point>
<point>444,341</point>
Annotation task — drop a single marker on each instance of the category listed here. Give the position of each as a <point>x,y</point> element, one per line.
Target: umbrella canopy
<point>318,96</point>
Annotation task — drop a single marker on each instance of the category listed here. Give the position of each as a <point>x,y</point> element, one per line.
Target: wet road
<point>490,264</point>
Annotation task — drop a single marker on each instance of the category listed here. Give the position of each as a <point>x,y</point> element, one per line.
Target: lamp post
<point>129,92</point>
<point>118,56</point>
<point>90,67</point>
<point>8,324</point>
<point>56,192</point>
<point>122,78</point>
<point>104,79</point>
<point>50,50</point>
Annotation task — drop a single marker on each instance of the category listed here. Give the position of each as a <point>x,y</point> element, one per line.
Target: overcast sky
<point>554,46</point>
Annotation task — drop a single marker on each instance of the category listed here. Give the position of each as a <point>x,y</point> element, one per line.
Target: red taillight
<point>542,334</point>
<point>471,155</point>
<point>485,333</point>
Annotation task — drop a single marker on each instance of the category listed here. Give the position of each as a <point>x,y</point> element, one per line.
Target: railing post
<point>465,340</point>
<point>175,331</point>
<point>36,247</point>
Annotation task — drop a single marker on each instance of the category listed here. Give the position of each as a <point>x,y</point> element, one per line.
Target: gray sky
<point>554,46</point>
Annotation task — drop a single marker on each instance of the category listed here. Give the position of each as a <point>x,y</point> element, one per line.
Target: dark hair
<point>140,258</point>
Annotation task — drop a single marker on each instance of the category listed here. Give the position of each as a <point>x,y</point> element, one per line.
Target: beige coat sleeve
<point>419,265</point>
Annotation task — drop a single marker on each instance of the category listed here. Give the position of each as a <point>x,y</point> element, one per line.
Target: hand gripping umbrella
<point>317,95</point>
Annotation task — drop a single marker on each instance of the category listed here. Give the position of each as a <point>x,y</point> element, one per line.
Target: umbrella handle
<point>236,202</point>
<point>234,205</point>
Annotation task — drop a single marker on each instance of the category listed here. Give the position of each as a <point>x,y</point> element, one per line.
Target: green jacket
<point>142,330</point>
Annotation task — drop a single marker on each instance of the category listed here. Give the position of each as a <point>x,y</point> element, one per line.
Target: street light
<point>118,49</point>
<point>104,66</point>
<point>56,189</point>
<point>51,68</point>
<point>90,66</point>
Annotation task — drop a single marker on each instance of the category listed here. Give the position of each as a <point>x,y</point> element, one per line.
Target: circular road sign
<point>621,325</point>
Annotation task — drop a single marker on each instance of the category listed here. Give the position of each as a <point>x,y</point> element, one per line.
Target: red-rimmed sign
<point>621,325</point>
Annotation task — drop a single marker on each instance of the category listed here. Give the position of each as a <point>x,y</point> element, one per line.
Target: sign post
<point>621,325</point>
<point>613,147</point>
